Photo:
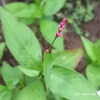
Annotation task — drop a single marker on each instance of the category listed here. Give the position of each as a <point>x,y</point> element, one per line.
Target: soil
<point>71,40</point>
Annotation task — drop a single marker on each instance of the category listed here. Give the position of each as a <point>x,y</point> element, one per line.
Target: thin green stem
<point>52,44</point>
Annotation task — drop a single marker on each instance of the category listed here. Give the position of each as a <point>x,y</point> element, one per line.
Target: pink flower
<point>58,34</point>
<point>47,51</point>
<point>61,26</point>
<point>64,20</point>
<point>60,29</point>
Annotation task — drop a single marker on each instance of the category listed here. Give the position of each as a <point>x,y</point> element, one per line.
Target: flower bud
<point>64,20</point>
<point>60,29</point>
<point>47,51</point>
<point>58,34</point>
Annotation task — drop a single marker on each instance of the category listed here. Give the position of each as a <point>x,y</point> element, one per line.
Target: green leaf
<point>32,11</point>
<point>53,6</point>
<point>26,21</point>
<point>48,29</point>
<point>22,10</point>
<point>97,43</point>
<point>47,65</point>
<point>76,28</point>
<point>5,94</point>
<point>91,49</point>
<point>52,96</point>
<point>59,98</point>
<point>71,85</point>
<point>48,17</point>
<point>57,58</point>
<point>2,87</point>
<point>15,92</point>
<point>33,91</point>
<point>25,13</point>
<point>93,75</point>
<point>28,71</point>
<point>88,17</point>
<point>29,79</point>
<point>20,40</point>
<point>2,46</point>
<point>11,75</point>
<point>15,7</point>
<point>65,58</point>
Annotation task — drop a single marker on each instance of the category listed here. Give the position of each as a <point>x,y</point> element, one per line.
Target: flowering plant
<point>38,15</point>
<point>47,77</point>
<point>58,33</point>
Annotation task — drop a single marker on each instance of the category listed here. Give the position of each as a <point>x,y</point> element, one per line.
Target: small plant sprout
<point>58,33</point>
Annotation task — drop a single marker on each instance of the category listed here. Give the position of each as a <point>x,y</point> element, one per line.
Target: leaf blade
<point>22,43</point>
<point>28,71</point>
<point>11,75</point>
<point>50,8</point>
<point>65,83</point>
<point>92,73</point>
<point>67,57</point>
<point>33,91</point>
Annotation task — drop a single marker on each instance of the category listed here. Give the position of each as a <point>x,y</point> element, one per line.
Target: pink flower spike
<point>58,34</point>
<point>61,24</point>
<point>47,51</point>
<point>64,20</point>
<point>60,29</point>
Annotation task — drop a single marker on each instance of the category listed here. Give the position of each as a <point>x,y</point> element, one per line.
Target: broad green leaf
<point>48,17</point>
<point>18,7</point>
<point>2,87</point>
<point>32,11</point>
<point>93,75</point>
<point>2,46</point>
<point>5,94</point>
<point>47,65</point>
<point>71,85</point>
<point>91,49</point>
<point>33,91</point>
<point>29,79</point>
<point>48,29</point>
<point>97,43</point>
<point>26,21</point>
<point>15,93</point>
<point>59,98</point>
<point>53,6</point>
<point>65,58</point>
<point>25,13</point>
<point>20,40</point>
<point>28,71</point>
<point>15,7</point>
<point>37,2</point>
<point>22,10</point>
<point>52,96</point>
<point>11,75</point>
